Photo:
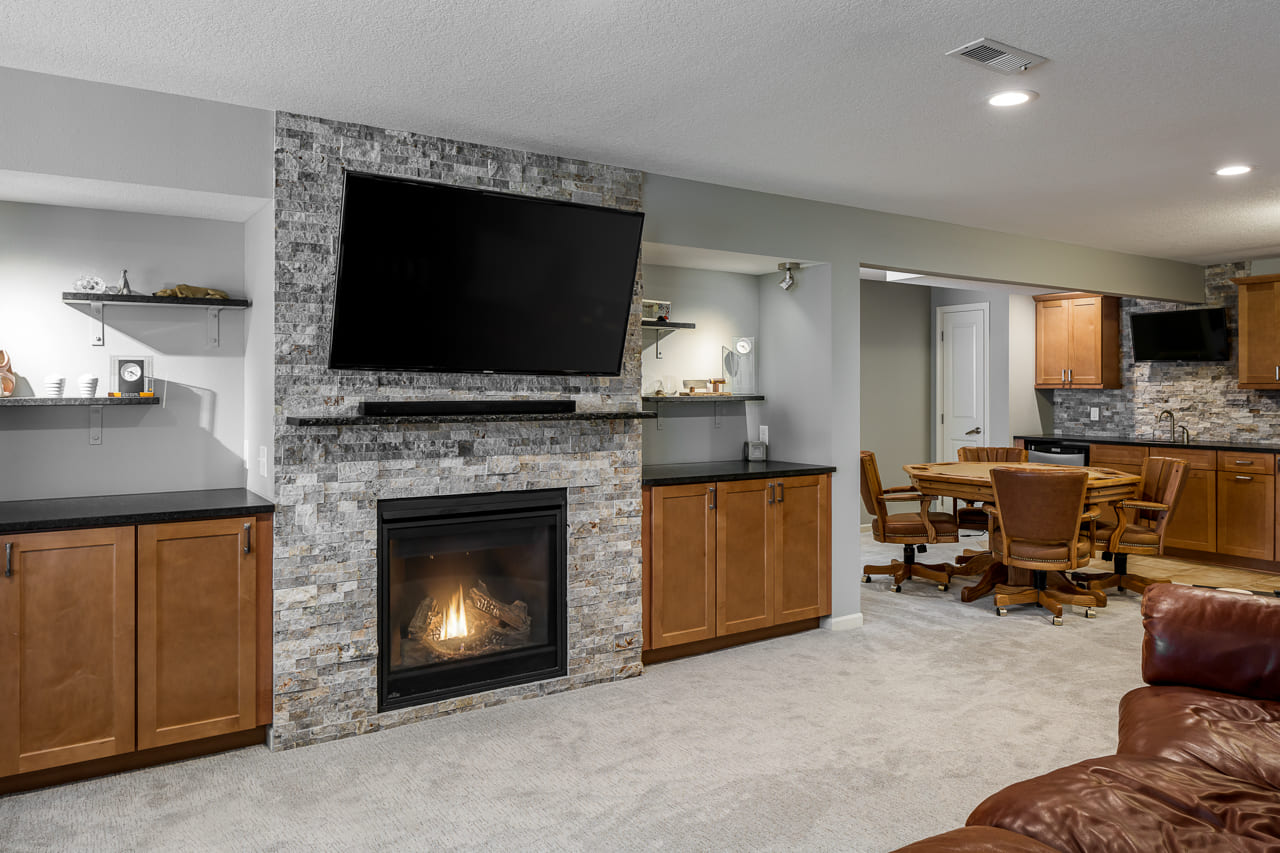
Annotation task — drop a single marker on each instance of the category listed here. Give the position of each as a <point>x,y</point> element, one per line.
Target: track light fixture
<point>788,279</point>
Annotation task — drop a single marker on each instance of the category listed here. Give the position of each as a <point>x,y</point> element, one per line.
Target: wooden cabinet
<point>197,629</point>
<point>1259,356</point>
<point>1194,522</point>
<point>1077,341</point>
<point>66,648</point>
<point>682,563</point>
<point>733,557</point>
<point>118,639</point>
<point>1246,514</point>
<point>1122,457</point>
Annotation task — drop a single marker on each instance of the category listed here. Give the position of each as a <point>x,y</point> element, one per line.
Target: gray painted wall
<point>259,354</point>
<point>896,374</point>
<point>724,305</point>
<point>826,415</point>
<point>195,439</point>
<point>1030,411</point>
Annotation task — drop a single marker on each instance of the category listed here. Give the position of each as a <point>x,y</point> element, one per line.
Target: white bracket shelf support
<point>95,425</point>
<point>213,338</point>
<point>99,324</point>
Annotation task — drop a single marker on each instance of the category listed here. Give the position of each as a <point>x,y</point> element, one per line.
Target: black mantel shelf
<point>396,420</point>
<point>75,297</point>
<point>703,398</point>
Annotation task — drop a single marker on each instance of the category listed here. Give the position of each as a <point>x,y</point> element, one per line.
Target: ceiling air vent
<point>997,56</point>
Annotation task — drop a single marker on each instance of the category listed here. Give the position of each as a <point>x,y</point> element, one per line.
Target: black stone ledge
<point>1238,446</point>
<point>113,510</point>
<point>397,420</point>
<point>738,469</point>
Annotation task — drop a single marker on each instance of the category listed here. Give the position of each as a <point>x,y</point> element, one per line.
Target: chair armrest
<point>1131,504</point>
<point>912,496</point>
<point>893,489</point>
<point>1212,639</point>
<point>1091,514</point>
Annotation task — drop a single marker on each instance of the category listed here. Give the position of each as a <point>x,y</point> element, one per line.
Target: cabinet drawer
<point>1110,455</point>
<point>1247,463</point>
<point>1197,460</point>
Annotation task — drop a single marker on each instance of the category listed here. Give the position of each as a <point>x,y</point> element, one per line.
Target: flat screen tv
<point>449,279</point>
<point>1194,335</point>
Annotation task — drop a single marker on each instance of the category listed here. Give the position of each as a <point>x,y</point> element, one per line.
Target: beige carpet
<point>861,741</point>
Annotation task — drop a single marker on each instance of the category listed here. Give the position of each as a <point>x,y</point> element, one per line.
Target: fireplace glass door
<point>471,594</point>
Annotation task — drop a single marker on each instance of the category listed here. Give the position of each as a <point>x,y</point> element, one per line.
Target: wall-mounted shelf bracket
<point>95,425</point>
<point>717,407</point>
<point>99,324</point>
<point>212,336</point>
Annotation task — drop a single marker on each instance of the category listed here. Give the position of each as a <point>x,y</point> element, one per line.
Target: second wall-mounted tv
<point>1194,335</point>
<point>440,278</point>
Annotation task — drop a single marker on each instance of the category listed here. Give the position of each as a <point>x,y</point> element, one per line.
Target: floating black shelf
<point>75,297</point>
<point>665,324</point>
<point>21,402</point>
<point>704,398</point>
<point>391,420</point>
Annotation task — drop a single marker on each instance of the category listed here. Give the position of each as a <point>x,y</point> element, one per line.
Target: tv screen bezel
<point>1208,357</point>
<point>333,315</point>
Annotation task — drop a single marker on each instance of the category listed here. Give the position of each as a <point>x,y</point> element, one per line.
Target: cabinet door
<point>1194,523</point>
<point>1246,514</point>
<point>744,544</point>
<point>683,583</point>
<point>1259,357</point>
<point>1084,360</point>
<point>66,648</point>
<point>197,613</point>
<point>1052,324</point>
<point>802,548</point>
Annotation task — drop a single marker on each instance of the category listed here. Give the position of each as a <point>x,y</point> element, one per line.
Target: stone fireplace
<point>336,469</point>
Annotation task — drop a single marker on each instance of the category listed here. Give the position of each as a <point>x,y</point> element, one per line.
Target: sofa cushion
<point>1211,638</point>
<point>976,839</point>
<point>1137,805</point>
<point>1234,735</point>
<point>909,524</point>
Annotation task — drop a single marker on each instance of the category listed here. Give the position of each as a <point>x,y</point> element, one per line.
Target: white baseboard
<point>865,528</point>
<point>842,623</point>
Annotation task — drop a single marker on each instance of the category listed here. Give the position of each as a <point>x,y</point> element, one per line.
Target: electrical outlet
<point>264,461</point>
<point>1093,413</point>
<point>764,434</point>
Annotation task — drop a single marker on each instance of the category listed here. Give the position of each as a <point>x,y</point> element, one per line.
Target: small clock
<point>130,375</point>
<point>743,345</point>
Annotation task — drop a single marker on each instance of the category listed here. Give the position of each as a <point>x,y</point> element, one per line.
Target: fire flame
<point>455,618</point>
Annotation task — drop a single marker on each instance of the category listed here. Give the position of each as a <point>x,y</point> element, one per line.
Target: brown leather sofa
<point>1198,763</point>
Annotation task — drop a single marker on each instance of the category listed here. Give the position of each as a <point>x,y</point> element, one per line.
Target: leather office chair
<point>910,529</point>
<point>1158,495</point>
<point>970,516</point>
<point>1035,525</point>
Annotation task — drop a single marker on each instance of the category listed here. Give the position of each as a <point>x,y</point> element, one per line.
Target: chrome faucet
<point>1186,436</point>
<point>1172,428</point>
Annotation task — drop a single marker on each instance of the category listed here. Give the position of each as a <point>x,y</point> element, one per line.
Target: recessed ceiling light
<point>1012,98</point>
<point>1228,171</point>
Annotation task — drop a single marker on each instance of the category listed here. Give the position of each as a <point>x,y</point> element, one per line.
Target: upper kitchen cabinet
<point>1077,341</point>
<point>1259,339</point>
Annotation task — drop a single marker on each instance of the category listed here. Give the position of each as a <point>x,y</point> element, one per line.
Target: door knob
<point>975,431</point>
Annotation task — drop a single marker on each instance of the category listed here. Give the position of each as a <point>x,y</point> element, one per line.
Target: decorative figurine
<point>124,283</point>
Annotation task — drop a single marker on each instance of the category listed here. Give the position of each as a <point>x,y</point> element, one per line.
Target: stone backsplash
<point>1202,395</point>
<point>330,478</point>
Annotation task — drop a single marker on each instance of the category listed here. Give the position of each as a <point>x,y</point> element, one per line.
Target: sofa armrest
<point>1213,639</point>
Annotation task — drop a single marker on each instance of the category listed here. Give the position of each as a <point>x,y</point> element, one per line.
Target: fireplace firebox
<point>471,594</point>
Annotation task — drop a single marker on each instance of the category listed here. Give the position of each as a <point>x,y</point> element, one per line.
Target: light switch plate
<point>1093,413</point>
<point>764,434</point>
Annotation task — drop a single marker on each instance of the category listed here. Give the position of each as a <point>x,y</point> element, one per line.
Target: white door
<point>961,416</point>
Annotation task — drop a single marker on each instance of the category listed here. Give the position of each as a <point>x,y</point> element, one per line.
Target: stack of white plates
<point>53,386</point>
<point>88,385</point>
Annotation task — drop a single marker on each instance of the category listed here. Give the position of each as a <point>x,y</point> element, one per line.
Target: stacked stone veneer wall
<point>328,480</point>
<point>1202,395</point>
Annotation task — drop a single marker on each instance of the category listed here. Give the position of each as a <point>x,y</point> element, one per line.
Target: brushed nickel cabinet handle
<point>771,493</point>
<point>8,559</point>
<point>1242,477</point>
<point>780,493</point>
<point>1068,375</point>
<point>711,490</point>
<point>248,536</point>
<point>1244,461</point>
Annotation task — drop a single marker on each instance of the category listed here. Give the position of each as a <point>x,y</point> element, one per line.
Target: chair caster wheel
<point>1057,620</point>
<point>866,578</point>
<point>1001,611</point>
<point>942,587</point>
<point>1090,613</point>
<point>897,587</point>
<point>922,549</point>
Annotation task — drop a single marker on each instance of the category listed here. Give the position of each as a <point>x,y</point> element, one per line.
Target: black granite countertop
<point>392,420</point>
<point>1194,444</point>
<point>737,469</point>
<point>111,510</point>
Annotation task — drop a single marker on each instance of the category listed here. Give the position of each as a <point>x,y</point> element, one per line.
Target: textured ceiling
<point>850,101</point>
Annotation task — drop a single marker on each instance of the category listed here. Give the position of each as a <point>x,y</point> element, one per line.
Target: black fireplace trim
<point>396,512</point>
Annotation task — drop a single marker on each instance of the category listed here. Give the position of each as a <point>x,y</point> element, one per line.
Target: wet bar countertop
<point>112,510</point>
<point>1139,441</point>
<point>738,469</point>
